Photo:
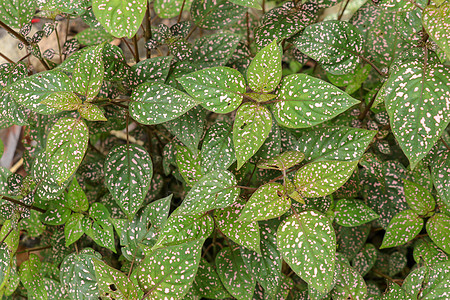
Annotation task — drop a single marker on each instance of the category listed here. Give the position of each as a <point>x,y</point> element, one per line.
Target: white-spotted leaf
<point>121,18</point>
<point>207,282</point>
<point>264,72</point>
<point>62,101</point>
<point>91,112</point>
<point>128,173</point>
<point>87,77</point>
<point>250,129</point>
<point>308,244</point>
<point>322,178</point>
<point>438,228</point>
<point>17,13</point>
<point>66,144</point>
<point>436,22</point>
<point>418,198</point>
<point>305,101</point>
<point>73,229</point>
<point>219,89</point>
<point>352,212</point>
<point>99,226</point>
<point>349,283</point>
<point>215,14</point>
<point>217,189</point>
<point>267,202</point>
<point>158,103</point>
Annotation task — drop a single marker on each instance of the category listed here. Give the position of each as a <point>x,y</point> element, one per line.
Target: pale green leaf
<point>264,72</point>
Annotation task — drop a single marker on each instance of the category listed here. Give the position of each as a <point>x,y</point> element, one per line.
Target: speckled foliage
<point>225,149</point>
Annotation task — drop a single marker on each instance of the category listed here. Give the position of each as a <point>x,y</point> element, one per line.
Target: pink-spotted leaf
<point>308,244</point>
<point>418,198</point>
<point>207,282</point>
<point>17,13</point>
<point>264,72</point>
<point>353,212</point>
<point>402,228</point>
<point>188,165</point>
<point>438,228</point>
<point>305,101</point>
<point>436,22</point>
<point>215,14</point>
<point>365,259</point>
<point>349,283</point>
<point>128,173</point>
<point>66,144</point>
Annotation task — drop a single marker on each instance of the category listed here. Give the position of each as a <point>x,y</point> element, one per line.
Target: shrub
<point>284,153</point>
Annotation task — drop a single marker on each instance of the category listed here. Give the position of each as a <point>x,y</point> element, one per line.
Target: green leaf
<point>73,229</point>
<point>66,144</point>
<point>10,235</point>
<point>91,112</point>
<point>397,262</point>
<point>31,91</point>
<point>5,268</point>
<point>31,279</point>
<point>336,45</point>
<point>121,18</point>
<point>436,22</point>
<point>218,149</point>
<point>335,143</point>
<point>214,50</point>
<point>207,282</point>
<point>438,228</point>
<point>62,101</point>
<point>308,244</point>
<point>158,103</point>
<point>352,212</point>
<point>213,15</point>
<point>189,128</point>
<point>245,234</point>
<point>217,189</point>
<point>250,129</point>
<point>365,259</point>
<point>283,161</point>
<point>56,214</point>
<point>248,3</point>
<point>169,272</point>
<point>417,129</point>
<point>152,70</point>
<point>76,198</point>
<point>188,165</point>
<point>219,89</point>
<point>349,283</point>
<point>234,275</point>
<point>87,77</point>
<point>305,101</point>
<point>113,283</point>
<point>128,173</point>
<point>93,36</point>
<point>266,266</point>
<point>402,228</point>
<point>322,178</point>
<point>99,226</point>
<point>167,9</point>
<point>17,13</point>
<point>427,251</point>
<point>264,72</point>
<point>184,229</point>
<point>395,292</point>
<point>77,274</point>
<point>430,282</point>
<point>419,198</point>
<point>441,179</point>
<point>269,201</point>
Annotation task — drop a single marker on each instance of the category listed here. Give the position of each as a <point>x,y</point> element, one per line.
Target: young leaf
<point>73,229</point>
<point>214,190</point>
<point>169,272</point>
<point>62,101</point>
<point>308,244</point>
<point>218,148</point>
<point>336,45</point>
<point>436,23</point>
<point>305,101</point>
<point>113,283</point>
<point>319,179</point>
<point>250,129</point>
<point>417,129</point>
<point>284,161</point>
<point>87,77</point>
<point>245,234</point>
<point>234,275</point>
<point>128,173</point>
<point>264,72</point>
<point>99,226</point>
<point>402,228</point>
<point>76,198</point>
<point>335,143</point>
<point>56,214</point>
<point>121,18</point>
<point>438,228</point>
<point>218,89</point>
<point>66,144</point>
<point>158,103</point>
<point>352,212</point>
<point>419,198</point>
<point>91,112</point>
<point>269,201</point>
<point>77,274</point>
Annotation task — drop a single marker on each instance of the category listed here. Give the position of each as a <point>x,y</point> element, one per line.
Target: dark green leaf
<point>73,229</point>
<point>207,282</point>
<point>402,228</point>
<point>419,198</point>
<point>436,22</point>
<point>349,283</point>
<point>441,178</point>
<point>430,282</point>
<point>212,14</point>
<point>264,72</point>
<point>438,228</point>
<point>365,259</point>
<point>99,226</point>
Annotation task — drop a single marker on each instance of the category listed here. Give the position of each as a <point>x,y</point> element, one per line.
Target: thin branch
<point>6,58</point>
<point>59,44</point>
<point>181,11</point>
<point>365,59</point>
<point>368,107</point>
<point>445,144</point>
<point>136,49</point>
<point>6,236</point>
<point>192,31</point>
<point>34,249</point>
<point>22,204</point>
<point>343,10</point>
<point>129,47</point>
<point>148,29</point>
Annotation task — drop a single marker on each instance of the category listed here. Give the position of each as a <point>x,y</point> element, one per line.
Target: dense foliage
<point>280,150</point>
